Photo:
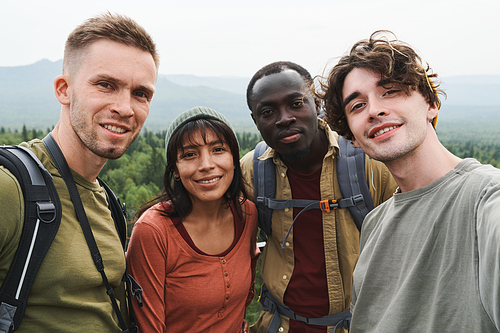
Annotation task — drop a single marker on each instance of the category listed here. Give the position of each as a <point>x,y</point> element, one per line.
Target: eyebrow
<point>349,98</point>
<point>380,83</point>
<point>289,96</point>
<point>149,90</point>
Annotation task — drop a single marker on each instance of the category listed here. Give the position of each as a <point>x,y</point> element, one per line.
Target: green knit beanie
<point>193,114</point>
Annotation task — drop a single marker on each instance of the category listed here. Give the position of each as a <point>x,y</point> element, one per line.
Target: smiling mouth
<point>208,181</point>
<point>387,129</point>
<point>114,129</point>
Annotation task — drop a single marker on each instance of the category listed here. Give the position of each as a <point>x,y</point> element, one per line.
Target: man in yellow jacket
<point>312,274</point>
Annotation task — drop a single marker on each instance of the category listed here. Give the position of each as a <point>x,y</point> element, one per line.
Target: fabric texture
<point>341,236</point>
<point>430,258</point>
<point>185,291</point>
<point>68,294</point>
<point>192,114</point>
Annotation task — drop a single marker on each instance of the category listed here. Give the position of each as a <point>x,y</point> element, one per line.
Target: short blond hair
<point>113,27</point>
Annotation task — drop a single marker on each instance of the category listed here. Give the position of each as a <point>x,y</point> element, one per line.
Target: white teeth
<point>114,129</point>
<point>382,131</point>
<point>208,181</point>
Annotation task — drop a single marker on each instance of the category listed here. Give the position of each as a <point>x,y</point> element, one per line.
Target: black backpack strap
<point>65,171</point>
<point>352,180</point>
<point>119,213</point>
<point>42,217</point>
<point>264,177</point>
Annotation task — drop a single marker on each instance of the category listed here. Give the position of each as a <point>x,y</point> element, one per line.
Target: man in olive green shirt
<point>109,73</point>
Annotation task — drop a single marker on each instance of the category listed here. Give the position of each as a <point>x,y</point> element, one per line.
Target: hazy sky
<point>236,38</point>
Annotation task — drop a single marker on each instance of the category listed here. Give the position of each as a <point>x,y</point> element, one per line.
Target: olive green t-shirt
<point>68,294</point>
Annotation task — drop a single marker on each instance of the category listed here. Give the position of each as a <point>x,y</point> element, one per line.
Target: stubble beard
<point>391,154</point>
<point>297,155</point>
<point>88,135</point>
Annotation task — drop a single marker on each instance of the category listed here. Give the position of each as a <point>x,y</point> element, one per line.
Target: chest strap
<point>272,305</point>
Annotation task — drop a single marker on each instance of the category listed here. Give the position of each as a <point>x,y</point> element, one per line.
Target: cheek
<point>142,114</point>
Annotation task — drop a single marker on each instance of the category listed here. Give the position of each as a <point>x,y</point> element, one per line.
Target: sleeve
<point>254,250</point>
<point>380,181</point>
<point>488,239</point>
<point>146,260</point>
<point>246,164</point>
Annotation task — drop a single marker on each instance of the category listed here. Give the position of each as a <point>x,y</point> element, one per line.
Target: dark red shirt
<point>307,292</point>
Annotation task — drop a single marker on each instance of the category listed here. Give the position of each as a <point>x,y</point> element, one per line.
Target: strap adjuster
<point>358,199</point>
<point>325,205</point>
<point>301,318</point>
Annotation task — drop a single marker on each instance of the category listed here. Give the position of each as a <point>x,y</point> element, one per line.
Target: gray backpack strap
<point>264,177</point>
<point>352,180</point>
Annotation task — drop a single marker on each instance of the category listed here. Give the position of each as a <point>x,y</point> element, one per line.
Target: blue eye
<point>104,84</point>
<point>141,94</point>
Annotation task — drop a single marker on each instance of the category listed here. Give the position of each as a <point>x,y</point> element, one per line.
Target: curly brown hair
<point>395,61</point>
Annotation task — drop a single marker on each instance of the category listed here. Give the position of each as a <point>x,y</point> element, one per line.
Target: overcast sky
<point>236,38</point>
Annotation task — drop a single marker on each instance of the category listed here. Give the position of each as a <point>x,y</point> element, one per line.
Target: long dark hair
<point>175,191</point>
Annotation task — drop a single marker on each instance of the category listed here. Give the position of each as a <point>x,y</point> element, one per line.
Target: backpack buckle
<point>46,211</point>
<point>325,205</point>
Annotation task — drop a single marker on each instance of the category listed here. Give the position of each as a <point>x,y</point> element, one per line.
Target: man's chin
<point>110,153</point>
<point>296,154</point>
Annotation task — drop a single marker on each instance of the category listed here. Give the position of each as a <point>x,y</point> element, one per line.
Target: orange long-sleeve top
<point>183,290</point>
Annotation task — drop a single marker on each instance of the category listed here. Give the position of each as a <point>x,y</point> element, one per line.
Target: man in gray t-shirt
<point>430,256</point>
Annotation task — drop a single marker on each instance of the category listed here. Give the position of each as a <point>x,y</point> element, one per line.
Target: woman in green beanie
<point>193,248</point>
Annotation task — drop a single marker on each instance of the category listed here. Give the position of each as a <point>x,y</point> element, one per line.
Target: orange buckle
<point>324,206</point>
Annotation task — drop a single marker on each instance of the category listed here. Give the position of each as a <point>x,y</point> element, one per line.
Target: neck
<point>79,158</point>
<point>429,162</point>
<point>208,212</point>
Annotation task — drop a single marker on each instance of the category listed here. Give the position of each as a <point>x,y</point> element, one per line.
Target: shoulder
<point>38,148</point>
<point>249,208</point>
<point>380,181</point>
<point>479,172</point>
<point>11,206</point>
<point>246,161</point>
<point>153,220</point>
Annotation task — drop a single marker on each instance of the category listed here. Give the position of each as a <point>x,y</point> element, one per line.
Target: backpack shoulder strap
<point>118,212</point>
<point>352,180</point>
<point>264,176</point>
<point>42,217</point>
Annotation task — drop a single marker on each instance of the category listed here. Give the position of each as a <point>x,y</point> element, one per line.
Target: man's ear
<point>317,102</point>
<point>61,89</point>
<point>432,111</point>
<point>253,118</point>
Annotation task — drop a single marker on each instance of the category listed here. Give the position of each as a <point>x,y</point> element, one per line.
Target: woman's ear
<point>61,89</point>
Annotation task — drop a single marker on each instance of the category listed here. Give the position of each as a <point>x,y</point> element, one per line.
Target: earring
<point>177,178</point>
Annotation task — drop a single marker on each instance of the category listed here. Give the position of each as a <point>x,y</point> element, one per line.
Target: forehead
<point>359,80</point>
<point>199,137</point>
<point>277,86</point>
<point>110,58</point>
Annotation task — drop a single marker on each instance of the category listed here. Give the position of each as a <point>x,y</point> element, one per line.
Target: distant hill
<point>27,98</point>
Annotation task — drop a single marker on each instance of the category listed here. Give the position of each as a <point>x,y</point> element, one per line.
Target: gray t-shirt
<point>430,258</point>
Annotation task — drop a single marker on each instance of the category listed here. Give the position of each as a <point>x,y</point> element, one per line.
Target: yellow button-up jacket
<point>341,236</point>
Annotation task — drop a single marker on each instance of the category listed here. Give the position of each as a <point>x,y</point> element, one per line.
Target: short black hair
<point>275,68</point>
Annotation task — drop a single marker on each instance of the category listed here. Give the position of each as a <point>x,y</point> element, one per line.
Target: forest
<point>137,176</point>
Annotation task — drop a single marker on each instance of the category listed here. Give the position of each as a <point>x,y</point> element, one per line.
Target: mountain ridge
<point>28,97</point>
